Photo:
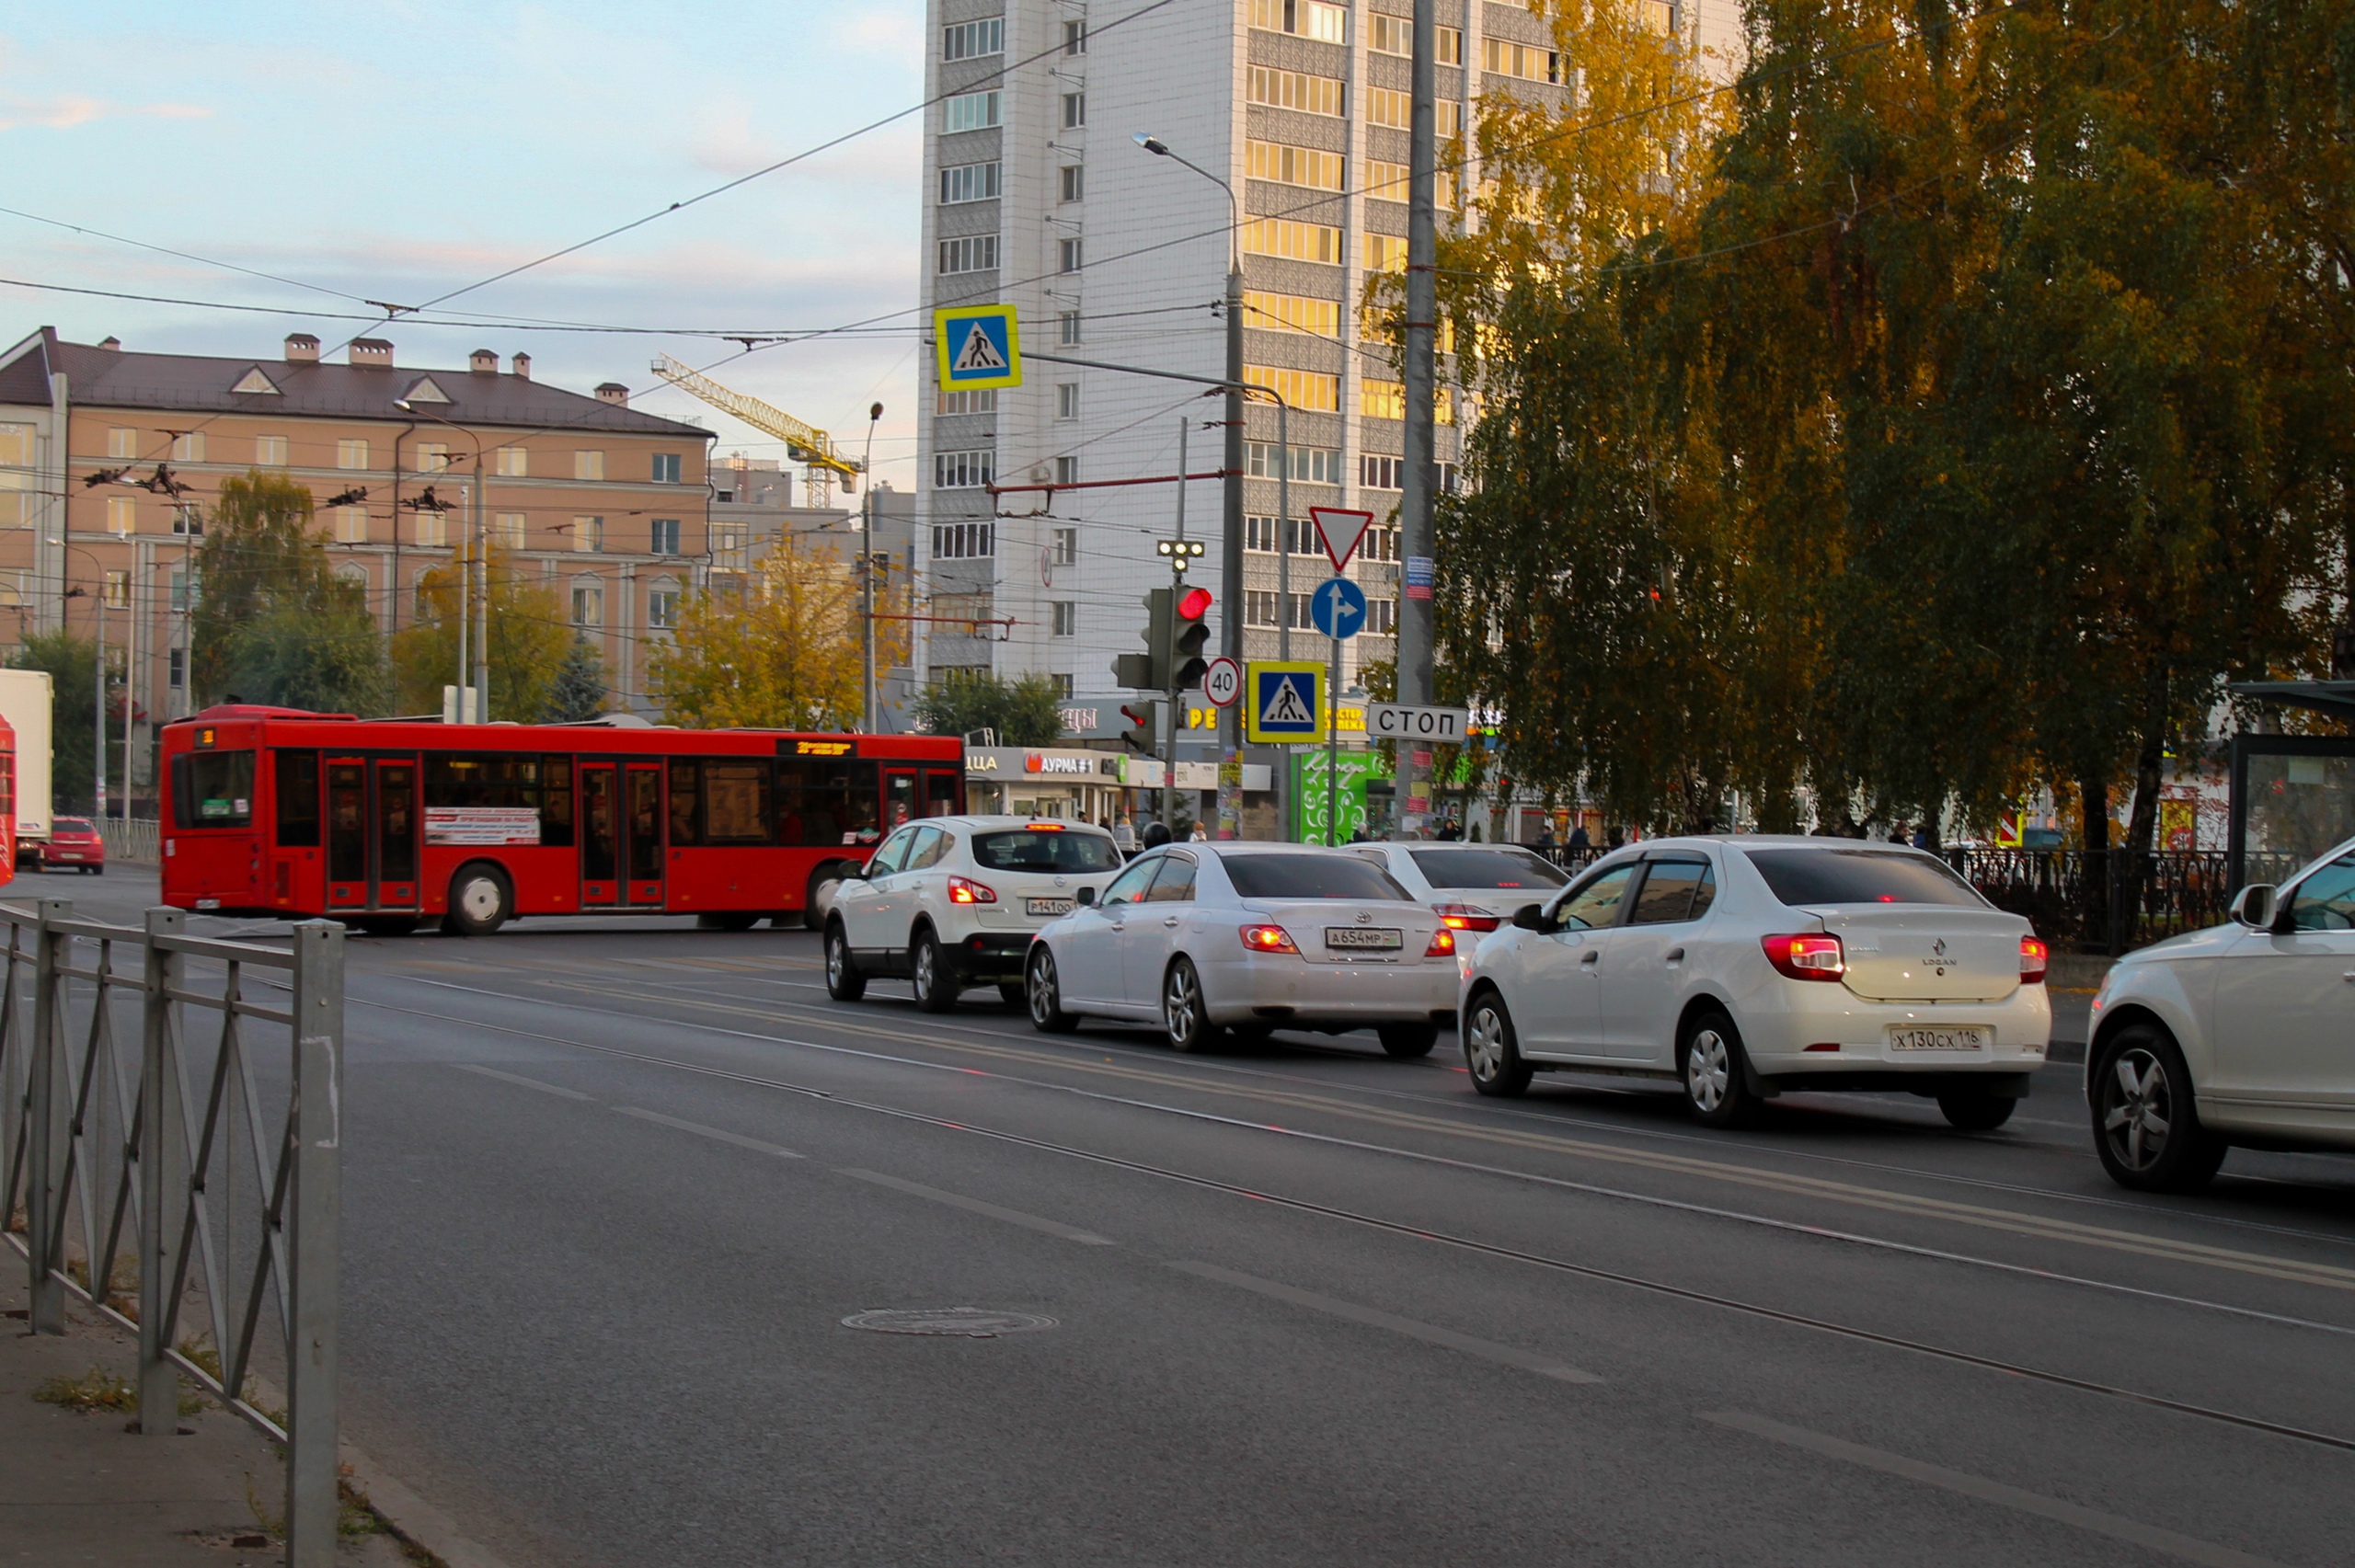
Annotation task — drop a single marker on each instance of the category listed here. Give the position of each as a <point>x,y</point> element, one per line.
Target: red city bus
<point>385,823</point>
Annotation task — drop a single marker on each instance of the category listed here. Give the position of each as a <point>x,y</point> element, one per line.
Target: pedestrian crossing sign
<point>976,346</point>
<point>1284,702</point>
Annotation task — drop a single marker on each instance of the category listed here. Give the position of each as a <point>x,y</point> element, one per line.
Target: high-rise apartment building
<point>1037,194</point>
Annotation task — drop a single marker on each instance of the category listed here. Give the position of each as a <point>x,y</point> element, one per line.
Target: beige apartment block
<point>609,507</point>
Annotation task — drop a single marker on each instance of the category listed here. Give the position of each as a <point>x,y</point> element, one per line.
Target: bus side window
<point>684,772</point>
<point>940,791</point>
<point>297,782</point>
<point>555,802</point>
<point>735,800</point>
<point>183,810</point>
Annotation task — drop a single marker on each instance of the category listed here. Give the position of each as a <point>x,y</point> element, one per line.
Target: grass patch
<point>98,1389</point>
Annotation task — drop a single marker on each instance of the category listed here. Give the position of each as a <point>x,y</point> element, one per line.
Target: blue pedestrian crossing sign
<point>1284,702</point>
<point>1339,608</point>
<point>978,346</point>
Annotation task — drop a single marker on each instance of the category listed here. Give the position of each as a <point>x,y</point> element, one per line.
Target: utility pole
<point>98,723</point>
<point>1230,554</point>
<point>1416,624</point>
<point>867,556</point>
<point>482,603</point>
<point>1177,586</point>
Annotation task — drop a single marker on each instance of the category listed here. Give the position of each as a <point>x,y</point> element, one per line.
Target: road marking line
<point>520,1081</point>
<point>738,1139</point>
<point>2190,1547</point>
<point>1430,1334</point>
<point>975,1206</point>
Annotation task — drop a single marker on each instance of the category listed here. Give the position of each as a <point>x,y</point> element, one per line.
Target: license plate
<point>1910,1037</point>
<point>1364,938</point>
<point>1047,906</point>
<point>208,903</point>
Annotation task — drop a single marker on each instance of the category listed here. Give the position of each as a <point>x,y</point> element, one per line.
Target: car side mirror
<point>2253,905</point>
<point>1529,917</point>
<point>853,871</point>
<point>1085,897</point>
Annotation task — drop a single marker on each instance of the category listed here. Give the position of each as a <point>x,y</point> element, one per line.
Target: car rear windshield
<point>1802,877</point>
<point>1484,869</point>
<point>70,825</point>
<point>1032,848</point>
<point>1311,877</point>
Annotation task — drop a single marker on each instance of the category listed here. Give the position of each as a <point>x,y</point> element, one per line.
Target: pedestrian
<point>1124,835</point>
<point>1200,835</point>
<point>1922,839</point>
<point>1618,837</point>
<point>1578,839</point>
<point>1156,835</point>
<point>1545,835</point>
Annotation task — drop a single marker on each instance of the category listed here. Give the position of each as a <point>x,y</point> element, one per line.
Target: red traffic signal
<point>1193,604</point>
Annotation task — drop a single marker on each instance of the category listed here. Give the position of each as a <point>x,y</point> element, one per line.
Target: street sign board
<point>1337,608</point>
<point>978,346</point>
<point>1284,703</point>
<point>1342,531</point>
<point>1223,681</point>
<point>1402,721</point>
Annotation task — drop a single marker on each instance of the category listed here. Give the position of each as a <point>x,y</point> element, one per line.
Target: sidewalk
<point>75,1488</point>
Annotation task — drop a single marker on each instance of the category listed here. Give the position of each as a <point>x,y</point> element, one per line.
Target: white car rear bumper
<point>2019,1031</point>
<point>1282,990</point>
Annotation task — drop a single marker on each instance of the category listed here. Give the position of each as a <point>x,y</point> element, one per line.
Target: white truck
<point>26,700</point>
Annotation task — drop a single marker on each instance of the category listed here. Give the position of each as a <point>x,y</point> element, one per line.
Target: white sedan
<point>1472,886</point>
<point>1745,966</point>
<point>1202,938</point>
<point>2244,1033</point>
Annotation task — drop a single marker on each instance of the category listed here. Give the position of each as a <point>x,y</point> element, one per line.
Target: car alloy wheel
<point>1045,994</point>
<point>934,985</point>
<point>1182,1012</point>
<point>2141,1111</point>
<point>1490,1053</point>
<point>844,982</point>
<point>1714,1085</point>
<point>2146,1127</point>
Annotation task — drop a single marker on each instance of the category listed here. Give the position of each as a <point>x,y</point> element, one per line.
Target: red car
<point>73,844</point>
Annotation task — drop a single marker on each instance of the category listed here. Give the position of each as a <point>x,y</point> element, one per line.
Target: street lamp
<point>867,579</point>
<point>98,716</point>
<point>470,607</point>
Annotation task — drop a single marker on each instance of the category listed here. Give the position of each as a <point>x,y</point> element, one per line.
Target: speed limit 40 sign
<point>1223,681</point>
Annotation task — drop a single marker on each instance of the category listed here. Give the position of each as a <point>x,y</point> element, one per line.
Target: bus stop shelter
<point>2293,796</point>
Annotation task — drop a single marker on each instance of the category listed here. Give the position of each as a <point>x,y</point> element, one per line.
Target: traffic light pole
<point>1176,713</point>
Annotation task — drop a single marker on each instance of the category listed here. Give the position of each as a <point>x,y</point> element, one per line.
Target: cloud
<point>897,35</point>
<point>69,110</point>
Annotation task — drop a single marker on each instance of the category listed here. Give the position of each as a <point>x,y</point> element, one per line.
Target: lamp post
<point>470,606</point>
<point>98,703</point>
<point>1231,547</point>
<point>867,579</point>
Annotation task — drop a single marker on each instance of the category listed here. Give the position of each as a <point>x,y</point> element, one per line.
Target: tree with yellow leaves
<point>783,654</point>
<point>529,640</point>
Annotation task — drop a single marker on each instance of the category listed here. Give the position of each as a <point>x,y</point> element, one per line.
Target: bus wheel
<point>480,902</point>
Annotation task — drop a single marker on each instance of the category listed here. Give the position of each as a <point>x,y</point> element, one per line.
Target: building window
<point>1074,110</point>
<point>1067,326</point>
<point>966,401</point>
<point>123,441</point>
<point>512,463</point>
<point>1070,255</point>
<point>1301,389</point>
<point>1259,607</point>
<point>177,667</point>
<point>588,604</point>
<point>1387,400</point>
<point>1310,464</point>
<point>1379,545</point>
<point>1389,106</point>
<point>1395,35</point>
<point>1381,617</point>
<point>270,452</point>
<point>1308,18</point>
<point>1074,181</point>
<point>1075,38</point>
<point>432,529</point>
<point>1293,241</point>
<point>1448,122</point>
<point>1063,547</point>
<point>117,591</point>
<point>122,516</point>
<point>974,253</point>
<point>588,465</point>
<point>351,454</point>
<point>1067,400</point>
<point>662,607</point>
<point>730,551</point>
<point>971,40</point>
<point>1067,471</point>
<point>188,518</point>
<point>506,531</point>
<point>1295,90</point>
<point>1287,165</point>
<point>963,541</point>
<point>963,470</point>
<point>970,111</point>
<point>970,611</point>
<point>351,525</point>
<point>1066,613</point>
<point>1527,61</point>
<point>182,597</point>
<point>1298,312</point>
<point>1386,253</point>
<point>588,534</point>
<point>1260,534</point>
<point>666,467</point>
<point>666,537</point>
<point>433,457</point>
<point>968,182</point>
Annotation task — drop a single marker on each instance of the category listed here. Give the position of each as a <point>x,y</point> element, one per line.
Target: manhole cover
<point>970,1322</point>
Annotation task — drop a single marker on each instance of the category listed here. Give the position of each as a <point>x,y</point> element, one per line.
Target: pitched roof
<point>116,378</point>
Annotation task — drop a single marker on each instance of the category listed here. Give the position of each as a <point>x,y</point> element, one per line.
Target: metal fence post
<point>50,1093</point>
<point>314,1236</point>
<point>163,1174</point>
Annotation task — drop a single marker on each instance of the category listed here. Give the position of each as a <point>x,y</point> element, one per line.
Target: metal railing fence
<point>135,838</point>
<point>203,1163</point>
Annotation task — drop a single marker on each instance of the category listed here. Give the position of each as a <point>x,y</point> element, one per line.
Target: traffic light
<point>1187,665</point>
<point>1149,670</point>
<point>1143,734</point>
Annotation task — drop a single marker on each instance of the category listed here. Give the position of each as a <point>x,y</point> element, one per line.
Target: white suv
<point>953,901</point>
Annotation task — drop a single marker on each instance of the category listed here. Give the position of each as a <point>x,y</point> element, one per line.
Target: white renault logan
<point>1202,938</point>
<point>1746,966</point>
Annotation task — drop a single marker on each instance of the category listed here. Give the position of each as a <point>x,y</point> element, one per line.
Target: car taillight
<point>960,891</point>
<point>2035,958</point>
<point>1464,917</point>
<point>1803,956</point>
<point>1268,939</point>
<point>1444,943</point>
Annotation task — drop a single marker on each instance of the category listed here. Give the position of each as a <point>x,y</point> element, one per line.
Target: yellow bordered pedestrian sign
<point>978,346</point>
<point>1284,702</point>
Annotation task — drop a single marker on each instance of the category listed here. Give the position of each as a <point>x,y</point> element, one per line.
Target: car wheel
<point>1714,1088</point>
<point>2146,1125</point>
<point>1183,1011</point>
<point>480,902</point>
<point>929,972</point>
<point>1407,1041</point>
<point>844,982</point>
<point>1044,994</point>
<point>1975,1110</point>
<point>1491,1052</point>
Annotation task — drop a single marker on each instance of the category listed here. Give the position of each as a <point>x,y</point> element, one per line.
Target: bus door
<point>642,831</point>
<point>899,806</point>
<point>396,822</point>
<point>600,841</point>
<point>372,832</point>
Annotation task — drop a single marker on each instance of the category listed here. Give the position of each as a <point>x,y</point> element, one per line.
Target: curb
<point>410,1517</point>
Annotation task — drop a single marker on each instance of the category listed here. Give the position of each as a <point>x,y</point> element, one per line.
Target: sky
<point>398,150</point>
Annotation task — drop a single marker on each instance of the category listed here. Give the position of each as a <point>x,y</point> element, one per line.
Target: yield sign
<point>1342,531</point>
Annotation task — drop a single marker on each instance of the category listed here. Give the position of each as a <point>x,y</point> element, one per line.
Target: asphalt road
<point>611,1189</point>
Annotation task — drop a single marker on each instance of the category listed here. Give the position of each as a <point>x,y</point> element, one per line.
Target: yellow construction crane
<point>805,444</point>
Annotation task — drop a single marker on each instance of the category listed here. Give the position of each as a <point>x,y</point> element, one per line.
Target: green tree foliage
<point>578,692</point>
<point>529,643</point>
<point>1025,711</point>
<point>71,663</point>
<point>272,623</point>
